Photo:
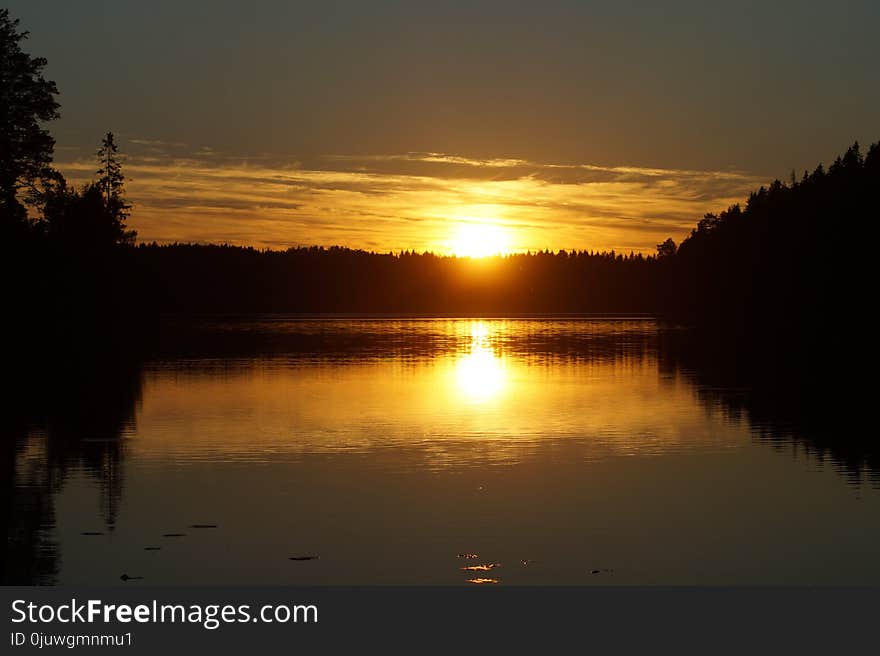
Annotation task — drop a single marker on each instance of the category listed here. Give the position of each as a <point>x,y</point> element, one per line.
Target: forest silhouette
<point>768,266</point>
<point>773,264</point>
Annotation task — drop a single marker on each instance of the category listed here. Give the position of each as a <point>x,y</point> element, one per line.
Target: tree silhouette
<point>666,249</point>
<point>784,266</point>
<point>26,100</point>
<point>91,218</point>
<point>80,221</point>
<point>111,180</point>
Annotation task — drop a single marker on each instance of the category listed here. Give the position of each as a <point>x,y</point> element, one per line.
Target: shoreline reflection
<point>558,440</point>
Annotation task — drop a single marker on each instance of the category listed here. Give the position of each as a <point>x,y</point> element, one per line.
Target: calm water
<point>597,451</point>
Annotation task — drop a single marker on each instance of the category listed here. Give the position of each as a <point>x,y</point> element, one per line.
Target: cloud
<point>411,200</point>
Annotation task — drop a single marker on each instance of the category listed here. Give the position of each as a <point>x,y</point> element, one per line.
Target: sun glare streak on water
<point>479,372</point>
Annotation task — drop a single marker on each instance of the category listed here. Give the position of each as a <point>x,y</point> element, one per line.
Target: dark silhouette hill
<point>789,259</point>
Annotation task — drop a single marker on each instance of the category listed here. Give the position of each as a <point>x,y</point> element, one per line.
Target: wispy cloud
<point>411,200</point>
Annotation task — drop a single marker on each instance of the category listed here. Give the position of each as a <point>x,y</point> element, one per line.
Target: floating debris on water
<point>126,577</point>
<point>480,568</point>
<point>468,555</point>
<point>527,562</point>
<point>92,533</point>
<point>152,548</point>
<point>203,526</point>
<point>173,535</point>
<point>601,571</point>
<point>484,581</point>
<point>303,558</point>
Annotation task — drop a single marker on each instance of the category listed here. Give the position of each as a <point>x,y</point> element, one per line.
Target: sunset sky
<point>453,126</point>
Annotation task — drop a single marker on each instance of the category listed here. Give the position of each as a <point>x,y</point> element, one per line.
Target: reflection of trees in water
<point>29,555</point>
<point>73,416</point>
<point>63,417</point>
<point>785,398</point>
<point>341,340</point>
<point>788,399</point>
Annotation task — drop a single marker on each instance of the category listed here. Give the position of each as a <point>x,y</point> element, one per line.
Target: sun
<point>479,240</point>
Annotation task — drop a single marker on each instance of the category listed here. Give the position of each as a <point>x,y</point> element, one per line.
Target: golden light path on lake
<point>480,373</point>
<point>476,400</point>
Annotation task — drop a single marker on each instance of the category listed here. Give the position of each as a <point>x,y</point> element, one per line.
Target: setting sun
<point>480,240</point>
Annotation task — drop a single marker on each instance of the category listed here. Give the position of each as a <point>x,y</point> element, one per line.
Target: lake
<point>344,451</point>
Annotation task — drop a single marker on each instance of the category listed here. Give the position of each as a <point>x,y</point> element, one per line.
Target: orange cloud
<point>411,201</point>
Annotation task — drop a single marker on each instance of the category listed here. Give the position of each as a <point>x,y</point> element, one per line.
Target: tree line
<point>218,278</point>
<point>775,262</point>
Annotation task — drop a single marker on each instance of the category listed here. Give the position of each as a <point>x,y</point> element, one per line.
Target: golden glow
<point>480,240</point>
<point>532,206</point>
<point>480,374</point>
<point>475,389</point>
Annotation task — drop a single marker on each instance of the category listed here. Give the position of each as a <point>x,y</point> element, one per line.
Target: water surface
<point>558,451</point>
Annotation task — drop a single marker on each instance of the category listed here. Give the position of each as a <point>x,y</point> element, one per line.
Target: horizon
<point>597,208</point>
<point>462,130</point>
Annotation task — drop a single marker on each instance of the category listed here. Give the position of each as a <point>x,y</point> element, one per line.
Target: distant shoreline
<point>426,316</point>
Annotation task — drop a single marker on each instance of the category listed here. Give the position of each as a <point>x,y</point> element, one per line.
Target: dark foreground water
<point>585,452</point>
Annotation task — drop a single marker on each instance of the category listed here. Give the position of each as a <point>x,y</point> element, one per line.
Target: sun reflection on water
<point>490,391</point>
<point>480,373</point>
